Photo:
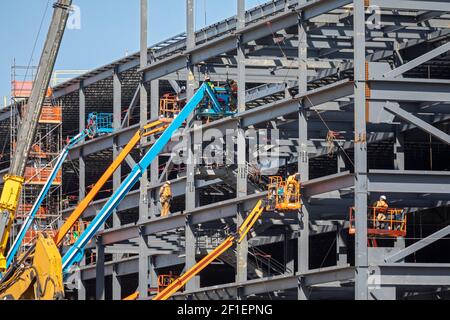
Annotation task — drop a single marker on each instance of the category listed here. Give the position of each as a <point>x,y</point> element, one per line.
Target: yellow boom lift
<point>286,198</point>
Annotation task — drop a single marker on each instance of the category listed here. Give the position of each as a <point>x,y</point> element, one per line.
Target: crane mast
<point>14,179</point>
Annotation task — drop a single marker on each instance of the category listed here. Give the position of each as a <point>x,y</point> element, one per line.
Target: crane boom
<point>14,179</point>
<point>75,253</point>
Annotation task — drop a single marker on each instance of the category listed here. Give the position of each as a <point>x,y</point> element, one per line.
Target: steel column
<point>154,176</point>
<point>399,160</point>
<point>361,255</point>
<point>143,205</point>
<point>82,125</point>
<point>241,183</point>
<point>341,246</point>
<point>81,289</point>
<point>191,194</point>
<point>117,119</point>
<point>303,159</point>
<point>100,270</point>
<point>116,285</point>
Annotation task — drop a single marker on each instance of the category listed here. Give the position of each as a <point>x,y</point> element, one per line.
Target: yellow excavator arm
<point>41,280</point>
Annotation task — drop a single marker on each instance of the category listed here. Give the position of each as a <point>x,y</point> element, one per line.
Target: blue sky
<point>109,29</point>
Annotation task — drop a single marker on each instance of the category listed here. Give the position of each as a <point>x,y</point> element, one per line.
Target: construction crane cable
<point>35,44</point>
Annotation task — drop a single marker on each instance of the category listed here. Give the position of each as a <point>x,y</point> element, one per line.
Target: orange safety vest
<point>381,204</point>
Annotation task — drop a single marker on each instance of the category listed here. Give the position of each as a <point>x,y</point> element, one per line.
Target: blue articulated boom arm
<point>75,253</point>
<point>37,204</point>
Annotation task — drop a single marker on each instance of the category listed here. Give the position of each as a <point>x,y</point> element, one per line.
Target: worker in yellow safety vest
<point>165,197</point>
<point>291,183</point>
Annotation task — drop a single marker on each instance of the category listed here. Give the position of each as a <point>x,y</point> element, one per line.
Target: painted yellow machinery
<point>41,279</point>
<point>284,195</point>
<point>8,205</point>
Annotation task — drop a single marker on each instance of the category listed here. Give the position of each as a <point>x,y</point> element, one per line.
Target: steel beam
<point>400,255</point>
<point>412,5</point>
<point>418,61</point>
<point>397,110</point>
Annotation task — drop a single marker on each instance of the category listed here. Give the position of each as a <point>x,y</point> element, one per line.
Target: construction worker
<point>380,210</point>
<point>233,88</point>
<point>381,203</point>
<point>165,197</point>
<point>291,184</point>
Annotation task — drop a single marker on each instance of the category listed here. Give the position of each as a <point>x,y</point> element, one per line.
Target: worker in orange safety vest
<point>380,207</point>
<point>165,198</point>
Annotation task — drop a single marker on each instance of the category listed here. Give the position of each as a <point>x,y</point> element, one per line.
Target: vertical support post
<point>361,254</point>
<point>116,285</point>
<point>190,251</point>
<point>100,270</point>
<point>191,194</point>
<point>81,290</point>
<point>190,87</point>
<point>288,257</point>
<point>341,247</point>
<point>399,161</point>
<point>242,248</point>
<point>82,163</point>
<point>143,205</point>
<point>340,162</point>
<point>154,176</point>
<point>117,121</point>
<point>303,158</point>
<point>153,276</point>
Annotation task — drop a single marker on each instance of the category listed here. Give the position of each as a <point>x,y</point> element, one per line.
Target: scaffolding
<point>46,148</point>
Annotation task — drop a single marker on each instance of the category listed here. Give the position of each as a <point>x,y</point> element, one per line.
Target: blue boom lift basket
<point>100,122</point>
<point>207,109</point>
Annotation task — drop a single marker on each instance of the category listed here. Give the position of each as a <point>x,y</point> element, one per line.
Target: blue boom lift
<point>205,95</point>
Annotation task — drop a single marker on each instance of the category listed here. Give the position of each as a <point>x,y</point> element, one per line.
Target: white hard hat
<point>168,182</point>
<point>383,197</point>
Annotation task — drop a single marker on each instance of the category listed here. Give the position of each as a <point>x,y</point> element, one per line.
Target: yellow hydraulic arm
<point>150,129</point>
<point>42,281</point>
<point>224,246</point>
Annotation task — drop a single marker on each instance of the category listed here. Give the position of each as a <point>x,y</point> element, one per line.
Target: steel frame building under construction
<point>359,91</point>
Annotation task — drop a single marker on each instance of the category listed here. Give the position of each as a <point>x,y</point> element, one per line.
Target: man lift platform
<point>290,200</point>
<point>284,195</point>
<point>382,222</point>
